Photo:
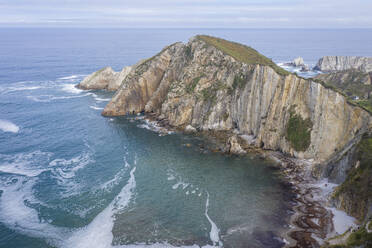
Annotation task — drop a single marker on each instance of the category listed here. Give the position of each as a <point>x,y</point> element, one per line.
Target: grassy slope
<point>241,53</point>
<point>350,83</point>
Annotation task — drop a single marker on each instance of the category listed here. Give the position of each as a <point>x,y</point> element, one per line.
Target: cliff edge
<point>212,84</point>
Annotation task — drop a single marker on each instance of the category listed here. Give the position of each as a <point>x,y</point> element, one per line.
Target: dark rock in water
<point>305,68</point>
<point>268,239</point>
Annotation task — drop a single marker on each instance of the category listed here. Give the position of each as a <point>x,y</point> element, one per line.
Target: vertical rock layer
<point>206,85</point>
<point>340,63</point>
<point>210,84</point>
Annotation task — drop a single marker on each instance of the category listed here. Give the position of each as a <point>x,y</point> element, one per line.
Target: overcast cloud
<point>191,13</point>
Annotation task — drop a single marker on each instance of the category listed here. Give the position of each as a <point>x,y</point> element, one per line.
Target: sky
<point>187,13</point>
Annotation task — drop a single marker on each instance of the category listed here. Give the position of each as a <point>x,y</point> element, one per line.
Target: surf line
<point>215,231</point>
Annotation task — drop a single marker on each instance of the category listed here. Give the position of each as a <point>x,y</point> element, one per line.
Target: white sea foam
<point>113,182</point>
<point>298,70</point>
<point>7,126</point>
<point>49,98</point>
<point>25,164</point>
<point>20,88</point>
<point>16,215</point>
<point>215,231</point>
<point>182,184</point>
<point>72,77</point>
<point>95,108</point>
<point>64,172</point>
<point>99,232</point>
<point>171,177</point>
<point>68,167</point>
<point>70,88</point>
<point>99,99</point>
<point>153,126</point>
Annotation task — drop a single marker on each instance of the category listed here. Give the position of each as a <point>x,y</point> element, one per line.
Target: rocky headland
<point>340,63</point>
<point>232,92</point>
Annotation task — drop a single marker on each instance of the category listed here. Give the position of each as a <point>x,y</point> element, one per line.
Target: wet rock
<point>190,129</point>
<point>234,146</point>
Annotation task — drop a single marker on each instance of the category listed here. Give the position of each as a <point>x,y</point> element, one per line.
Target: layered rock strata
<point>340,63</point>
<point>198,84</point>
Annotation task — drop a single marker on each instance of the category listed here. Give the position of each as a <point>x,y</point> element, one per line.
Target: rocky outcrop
<point>340,63</point>
<point>206,85</point>
<point>234,146</point>
<point>106,78</point>
<point>298,61</point>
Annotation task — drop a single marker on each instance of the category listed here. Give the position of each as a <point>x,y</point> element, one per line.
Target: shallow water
<point>72,178</point>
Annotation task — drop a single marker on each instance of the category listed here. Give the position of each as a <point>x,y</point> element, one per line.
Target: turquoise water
<point>72,178</point>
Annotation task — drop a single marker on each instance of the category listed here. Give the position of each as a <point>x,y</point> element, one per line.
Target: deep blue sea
<point>71,178</point>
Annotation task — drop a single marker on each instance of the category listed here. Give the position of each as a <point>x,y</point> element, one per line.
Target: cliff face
<point>106,78</point>
<point>339,63</point>
<point>212,84</point>
<point>354,195</point>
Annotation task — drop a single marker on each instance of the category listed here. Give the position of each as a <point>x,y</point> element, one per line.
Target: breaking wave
<point>7,126</point>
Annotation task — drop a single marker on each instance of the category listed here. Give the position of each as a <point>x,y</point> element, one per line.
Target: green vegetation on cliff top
<point>242,53</point>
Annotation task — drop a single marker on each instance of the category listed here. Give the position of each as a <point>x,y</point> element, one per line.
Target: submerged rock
<point>340,63</point>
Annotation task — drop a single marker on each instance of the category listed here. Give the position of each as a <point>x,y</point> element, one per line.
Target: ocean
<point>72,178</point>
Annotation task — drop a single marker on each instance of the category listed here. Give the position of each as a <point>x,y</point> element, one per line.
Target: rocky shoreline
<point>311,222</point>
